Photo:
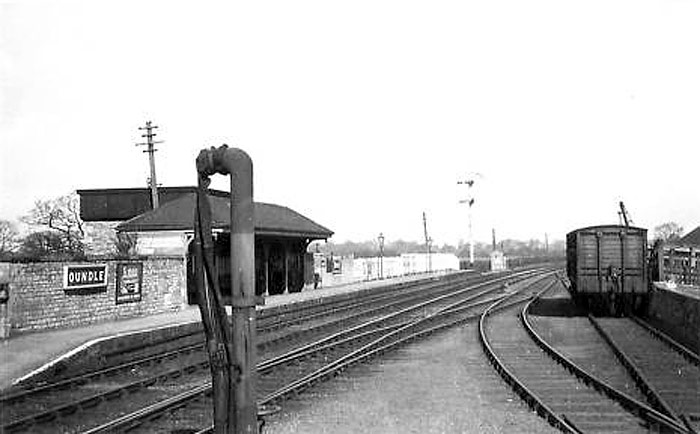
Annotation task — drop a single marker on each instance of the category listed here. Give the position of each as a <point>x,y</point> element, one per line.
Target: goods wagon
<point>607,267</point>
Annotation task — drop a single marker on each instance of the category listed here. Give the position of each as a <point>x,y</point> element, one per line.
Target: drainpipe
<point>237,163</point>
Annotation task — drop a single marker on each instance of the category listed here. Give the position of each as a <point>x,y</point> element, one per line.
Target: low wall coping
<point>683,290</point>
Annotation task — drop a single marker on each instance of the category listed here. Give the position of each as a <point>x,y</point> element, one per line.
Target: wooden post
<point>659,253</point>
<point>623,240</point>
<point>286,268</point>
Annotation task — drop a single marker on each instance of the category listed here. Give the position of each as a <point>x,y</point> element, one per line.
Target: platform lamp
<point>380,238</point>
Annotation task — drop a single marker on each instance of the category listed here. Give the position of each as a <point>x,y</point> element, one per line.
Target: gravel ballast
<point>443,384</point>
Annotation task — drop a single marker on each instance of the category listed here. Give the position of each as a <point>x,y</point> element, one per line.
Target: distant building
<point>337,270</point>
<point>680,262</point>
<point>497,261</point>
<point>422,262</point>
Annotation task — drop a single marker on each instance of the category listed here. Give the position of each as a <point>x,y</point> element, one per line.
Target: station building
<point>681,260</point>
<point>282,235</point>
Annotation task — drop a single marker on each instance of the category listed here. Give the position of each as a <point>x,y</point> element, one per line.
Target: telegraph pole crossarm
<point>150,143</point>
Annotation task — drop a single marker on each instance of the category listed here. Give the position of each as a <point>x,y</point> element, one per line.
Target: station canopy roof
<point>177,213</point>
<point>692,238</point>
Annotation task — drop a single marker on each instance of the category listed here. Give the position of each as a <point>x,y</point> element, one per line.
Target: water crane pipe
<point>239,342</point>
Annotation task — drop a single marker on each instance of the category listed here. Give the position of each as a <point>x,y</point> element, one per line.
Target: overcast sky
<point>361,115</point>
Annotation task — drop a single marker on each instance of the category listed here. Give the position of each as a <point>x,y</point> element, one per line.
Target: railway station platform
<point>675,309</point>
<point>27,354</point>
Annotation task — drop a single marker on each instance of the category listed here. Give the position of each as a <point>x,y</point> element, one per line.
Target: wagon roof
<point>604,227</point>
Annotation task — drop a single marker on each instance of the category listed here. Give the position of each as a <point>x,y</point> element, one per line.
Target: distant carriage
<point>607,267</point>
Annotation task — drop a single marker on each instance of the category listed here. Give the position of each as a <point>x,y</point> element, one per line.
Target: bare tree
<point>61,214</point>
<point>48,245</point>
<point>668,232</point>
<point>9,238</point>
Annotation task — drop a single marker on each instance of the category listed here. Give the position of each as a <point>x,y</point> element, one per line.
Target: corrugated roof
<point>270,219</point>
<point>692,238</point>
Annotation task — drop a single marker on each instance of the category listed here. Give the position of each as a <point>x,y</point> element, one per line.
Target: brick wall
<point>39,301</point>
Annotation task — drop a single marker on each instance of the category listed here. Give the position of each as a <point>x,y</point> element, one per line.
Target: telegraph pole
<point>428,240</point>
<point>151,158</point>
<point>380,238</point>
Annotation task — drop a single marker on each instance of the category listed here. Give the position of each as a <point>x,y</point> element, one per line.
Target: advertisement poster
<point>129,280</point>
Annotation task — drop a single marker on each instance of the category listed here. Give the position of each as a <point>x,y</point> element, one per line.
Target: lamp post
<point>471,234</point>
<point>428,243</point>
<point>380,238</point>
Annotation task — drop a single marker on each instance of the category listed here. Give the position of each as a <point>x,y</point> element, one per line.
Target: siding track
<point>670,379</point>
<point>560,390</point>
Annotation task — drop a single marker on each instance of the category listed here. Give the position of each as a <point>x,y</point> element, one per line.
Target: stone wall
<point>38,299</point>
<point>100,239</point>
<point>677,314</point>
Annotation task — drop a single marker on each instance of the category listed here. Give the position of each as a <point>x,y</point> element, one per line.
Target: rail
<point>370,304</point>
<point>646,387</point>
<point>684,351</point>
<point>521,389</point>
<point>379,344</point>
<point>636,407</point>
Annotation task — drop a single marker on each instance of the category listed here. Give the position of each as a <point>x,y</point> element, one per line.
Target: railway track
<point>323,359</point>
<point>190,337</point>
<point>160,377</point>
<point>564,370</point>
<point>667,373</point>
<point>292,326</point>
